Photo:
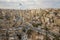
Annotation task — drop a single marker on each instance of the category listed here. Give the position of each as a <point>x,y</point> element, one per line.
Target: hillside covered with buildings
<point>34,24</point>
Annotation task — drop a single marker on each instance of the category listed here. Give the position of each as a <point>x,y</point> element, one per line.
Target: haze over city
<point>29,4</point>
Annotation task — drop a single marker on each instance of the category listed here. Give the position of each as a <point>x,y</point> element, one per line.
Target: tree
<point>29,32</point>
<point>19,36</point>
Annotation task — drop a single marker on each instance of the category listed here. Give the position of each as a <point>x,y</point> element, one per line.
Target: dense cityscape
<point>34,24</point>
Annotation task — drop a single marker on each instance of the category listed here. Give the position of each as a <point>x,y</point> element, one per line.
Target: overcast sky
<point>28,4</point>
